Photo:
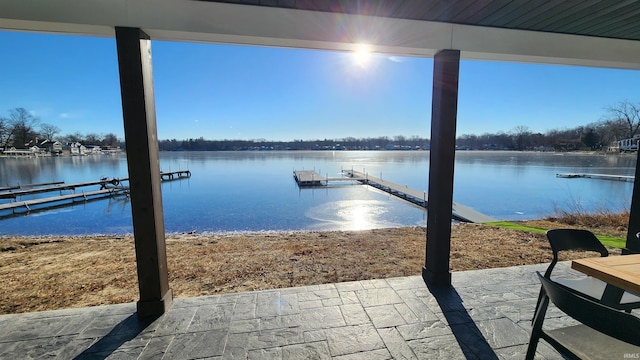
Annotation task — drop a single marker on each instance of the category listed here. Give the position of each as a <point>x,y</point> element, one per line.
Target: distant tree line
<point>102,140</point>
<point>348,143</point>
<point>620,122</point>
<point>21,129</point>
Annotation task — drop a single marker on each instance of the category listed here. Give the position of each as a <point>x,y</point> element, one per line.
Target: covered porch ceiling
<point>587,33</point>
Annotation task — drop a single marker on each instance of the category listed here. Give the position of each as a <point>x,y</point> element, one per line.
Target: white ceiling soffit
<point>188,20</point>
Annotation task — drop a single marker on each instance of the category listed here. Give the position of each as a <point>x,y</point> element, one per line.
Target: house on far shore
<point>52,147</point>
<point>78,149</point>
<point>36,150</point>
<point>93,149</point>
<point>56,148</point>
<point>625,145</point>
<point>111,149</point>
<point>17,152</point>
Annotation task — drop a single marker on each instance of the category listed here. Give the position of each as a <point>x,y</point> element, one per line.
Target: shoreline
<point>90,271</point>
<point>177,234</point>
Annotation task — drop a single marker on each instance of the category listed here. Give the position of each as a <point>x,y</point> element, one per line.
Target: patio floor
<point>486,315</point>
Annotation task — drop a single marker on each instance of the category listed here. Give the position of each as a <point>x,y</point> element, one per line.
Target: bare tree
<point>5,132</point>
<point>611,131</point>
<point>400,139</point>
<point>591,138</point>
<point>112,140</point>
<point>627,113</point>
<point>93,139</point>
<point>522,136</point>
<point>49,131</point>
<point>22,125</point>
<point>73,138</point>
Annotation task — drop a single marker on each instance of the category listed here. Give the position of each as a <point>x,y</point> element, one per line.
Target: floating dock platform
<point>309,178</point>
<point>626,178</point>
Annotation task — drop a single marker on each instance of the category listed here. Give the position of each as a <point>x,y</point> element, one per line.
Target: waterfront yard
<point>61,272</point>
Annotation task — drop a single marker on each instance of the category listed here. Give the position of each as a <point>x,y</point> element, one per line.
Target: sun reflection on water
<point>351,215</point>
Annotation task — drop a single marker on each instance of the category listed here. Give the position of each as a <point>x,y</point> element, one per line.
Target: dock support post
<point>633,243</point>
<point>444,108</point>
<point>138,107</point>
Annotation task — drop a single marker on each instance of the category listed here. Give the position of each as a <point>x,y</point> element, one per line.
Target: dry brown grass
<point>62,272</point>
<point>604,222</point>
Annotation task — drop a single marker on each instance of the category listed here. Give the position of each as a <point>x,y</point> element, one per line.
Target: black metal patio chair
<point>603,332</point>
<point>587,286</point>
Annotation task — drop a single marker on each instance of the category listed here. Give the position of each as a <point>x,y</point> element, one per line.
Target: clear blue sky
<point>241,92</point>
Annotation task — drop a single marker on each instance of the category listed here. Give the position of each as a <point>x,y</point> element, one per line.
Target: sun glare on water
<point>351,215</point>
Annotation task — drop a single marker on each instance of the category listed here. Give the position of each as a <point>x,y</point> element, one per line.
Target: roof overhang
<point>212,22</point>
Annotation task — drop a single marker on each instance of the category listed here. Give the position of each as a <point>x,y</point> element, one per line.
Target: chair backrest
<point>573,239</point>
<point>620,325</point>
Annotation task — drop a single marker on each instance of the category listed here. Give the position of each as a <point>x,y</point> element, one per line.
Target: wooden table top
<point>621,271</point>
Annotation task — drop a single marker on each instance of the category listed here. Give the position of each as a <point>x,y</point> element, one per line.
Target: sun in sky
<point>362,55</point>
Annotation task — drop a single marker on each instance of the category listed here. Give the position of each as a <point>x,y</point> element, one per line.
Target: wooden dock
<point>309,178</point>
<point>104,183</point>
<point>460,212</point>
<point>28,205</point>
<point>626,178</point>
<point>174,175</point>
<point>109,187</point>
<point>28,186</point>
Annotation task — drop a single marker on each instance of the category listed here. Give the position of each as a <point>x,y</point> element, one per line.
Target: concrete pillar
<point>633,243</point>
<point>444,109</point>
<point>138,107</point>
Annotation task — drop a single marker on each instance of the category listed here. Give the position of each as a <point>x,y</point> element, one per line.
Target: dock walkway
<point>69,198</point>
<point>27,186</point>
<point>460,212</point>
<point>108,188</point>
<point>12,194</point>
<point>598,176</point>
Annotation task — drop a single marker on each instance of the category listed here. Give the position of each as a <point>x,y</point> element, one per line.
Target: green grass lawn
<point>605,240</point>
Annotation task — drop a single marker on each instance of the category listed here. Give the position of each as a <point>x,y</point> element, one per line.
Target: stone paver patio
<point>486,315</point>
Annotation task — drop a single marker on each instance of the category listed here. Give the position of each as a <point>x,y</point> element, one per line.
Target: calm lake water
<point>255,191</point>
